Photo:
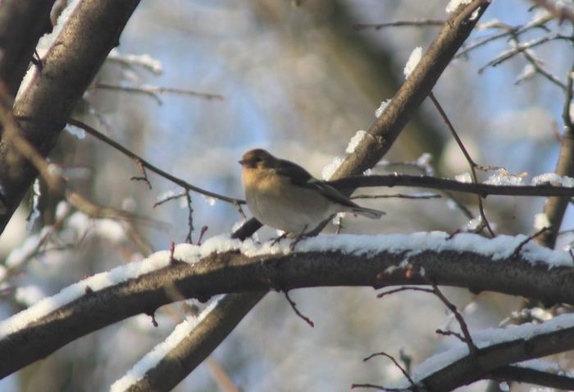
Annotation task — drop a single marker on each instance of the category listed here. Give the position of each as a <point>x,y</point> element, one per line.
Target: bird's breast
<point>277,203</point>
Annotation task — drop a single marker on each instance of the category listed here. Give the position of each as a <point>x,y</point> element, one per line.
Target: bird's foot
<point>278,239</point>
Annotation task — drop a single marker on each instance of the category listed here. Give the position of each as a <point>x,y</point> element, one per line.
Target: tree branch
<point>67,70</point>
<point>412,93</point>
<point>493,357</point>
<point>481,189</point>
<point>22,23</point>
<point>214,328</point>
<point>526,274</point>
<point>148,165</point>
<point>556,206</point>
<point>518,373</point>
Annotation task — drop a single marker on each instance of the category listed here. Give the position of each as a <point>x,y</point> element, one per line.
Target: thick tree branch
<point>442,184</point>
<point>556,206</point>
<point>515,373</point>
<point>525,273</point>
<point>67,70</point>
<point>221,321</point>
<point>22,23</point>
<point>493,358</point>
<point>412,93</point>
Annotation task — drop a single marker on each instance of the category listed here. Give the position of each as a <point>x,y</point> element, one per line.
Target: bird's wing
<point>296,174</point>
<point>301,177</point>
<point>331,193</point>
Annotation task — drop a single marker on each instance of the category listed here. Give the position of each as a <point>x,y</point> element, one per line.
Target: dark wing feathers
<point>294,172</point>
<point>332,194</point>
<point>301,177</point>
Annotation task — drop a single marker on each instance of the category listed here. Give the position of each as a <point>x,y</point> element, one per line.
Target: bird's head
<point>258,159</point>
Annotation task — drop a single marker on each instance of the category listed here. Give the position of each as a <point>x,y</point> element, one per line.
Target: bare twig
<point>473,166</point>
<point>143,177</point>
<point>426,196</point>
<point>404,288</point>
<point>537,65</point>
<point>169,198</point>
<point>374,386</point>
<point>520,48</point>
<point>555,207</point>
<point>188,238</point>
<point>154,91</point>
<point>221,376</point>
<point>561,13</point>
<point>294,307</point>
<point>398,365</point>
<point>457,335</point>
<point>527,240</point>
<point>399,23</point>
<point>131,60</point>
<point>185,185</point>
<point>506,31</point>
<point>462,323</point>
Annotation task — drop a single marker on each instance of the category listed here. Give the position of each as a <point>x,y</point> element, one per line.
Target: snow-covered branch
<point>504,264</point>
<point>497,348</point>
<point>553,186</point>
<point>414,91</point>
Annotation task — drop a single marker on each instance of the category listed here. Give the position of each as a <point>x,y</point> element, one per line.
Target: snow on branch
<point>497,347</point>
<point>221,265</point>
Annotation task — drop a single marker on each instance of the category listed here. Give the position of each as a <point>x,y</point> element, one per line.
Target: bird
<point>286,197</point>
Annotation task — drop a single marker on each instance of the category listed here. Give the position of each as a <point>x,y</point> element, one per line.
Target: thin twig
<point>507,30</point>
<point>451,333</point>
<point>563,12</point>
<point>153,91</point>
<point>518,249</point>
<point>519,48</point>
<point>294,307</point>
<point>92,131</point>
<point>404,288</point>
<point>131,60</point>
<point>169,198</point>
<point>400,23</point>
<point>473,166</point>
<point>462,323</point>
<point>143,177</point>
<point>188,238</point>
<point>542,71</point>
<point>567,114</point>
<point>398,196</point>
<point>398,365</point>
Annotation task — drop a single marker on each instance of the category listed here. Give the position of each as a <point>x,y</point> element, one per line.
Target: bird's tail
<point>367,212</point>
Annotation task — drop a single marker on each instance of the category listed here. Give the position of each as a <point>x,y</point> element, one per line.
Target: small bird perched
<point>283,195</point>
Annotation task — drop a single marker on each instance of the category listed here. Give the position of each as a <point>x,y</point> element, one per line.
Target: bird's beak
<point>241,162</point>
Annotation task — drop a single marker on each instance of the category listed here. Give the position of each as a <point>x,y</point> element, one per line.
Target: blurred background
<point>299,79</point>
